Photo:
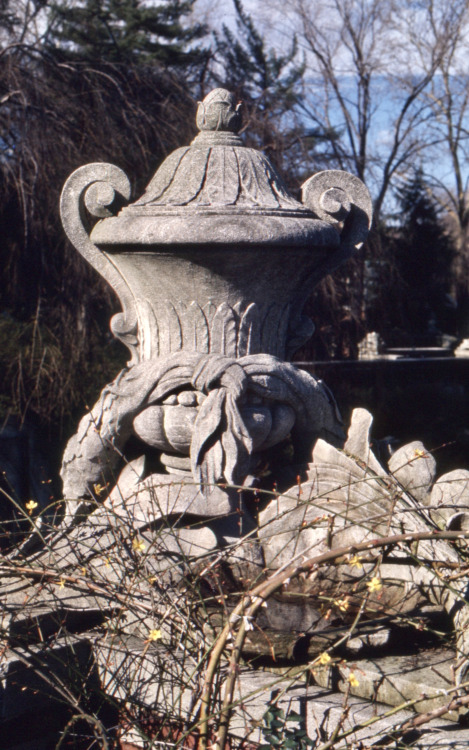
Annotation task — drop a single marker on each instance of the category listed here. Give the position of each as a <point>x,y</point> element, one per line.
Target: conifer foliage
<point>423,253</point>
<point>269,84</point>
<point>125,32</point>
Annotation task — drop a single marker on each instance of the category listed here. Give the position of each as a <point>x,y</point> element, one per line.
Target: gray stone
<point>161,495</point>
<point>32,678</point>
<point>206,393</point>
<point>42,688</point>
<point>220,444</point>
<point>350,499</point>
<point>463,349</point>
<point>153,675</point>
<point>358,441</point>
<point>158,677</point>
<point>415,469</point>
<point>320,708</point>
<point>214,219</point>
<point>450,499</point>
<point>91,562</point>
<point>371,347</point>
<point>325,710</point>
<point>426,677</point>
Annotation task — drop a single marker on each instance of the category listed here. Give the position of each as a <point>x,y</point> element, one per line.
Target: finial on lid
<point>219,111</point>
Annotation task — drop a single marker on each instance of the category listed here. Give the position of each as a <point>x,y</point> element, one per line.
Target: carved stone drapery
<point>214,261</point>
<point>212,266</point>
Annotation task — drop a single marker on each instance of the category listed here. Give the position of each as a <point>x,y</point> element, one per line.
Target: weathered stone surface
<point>162,678</point>
<point>161,495</point>
<point>39,676</point>
<point>358,441</point>
<point>463,349</point>
<point>43,688</point>
<point>150,675</point>
<point>325,711</point>
<point>280,634</point>
<point>449,499</point>
<point>221,444</point>
<point>371,346</point>
<point>130,668</point>
<point>204,393</point>
<point>92,567</point>
<point>214,219</point>
<point>415,469</point>
<point>349,500</point>
<point>426,677</point>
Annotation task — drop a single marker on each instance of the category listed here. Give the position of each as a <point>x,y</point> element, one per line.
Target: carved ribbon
<point>221,444</point>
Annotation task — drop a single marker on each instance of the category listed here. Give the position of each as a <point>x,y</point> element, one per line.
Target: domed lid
<point>217,170</point>
<point>216,191</point>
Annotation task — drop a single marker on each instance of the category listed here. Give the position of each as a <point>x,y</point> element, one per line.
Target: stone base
<point>40,685</point>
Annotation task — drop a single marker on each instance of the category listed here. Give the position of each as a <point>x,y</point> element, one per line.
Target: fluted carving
<point>213,265</point>
<point>174,325</point>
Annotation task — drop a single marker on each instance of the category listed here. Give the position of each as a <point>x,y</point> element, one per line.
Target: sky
<point>273,19</point>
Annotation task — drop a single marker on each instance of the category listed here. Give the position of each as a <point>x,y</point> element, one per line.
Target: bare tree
<point>55,115</point>
<point>447,164</point>
<point>370,64</point>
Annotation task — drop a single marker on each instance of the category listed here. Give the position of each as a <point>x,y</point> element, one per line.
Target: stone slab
<point>374,724</point>
<point>393,680</point>
<point>320,707</point>
<point>157,677</point>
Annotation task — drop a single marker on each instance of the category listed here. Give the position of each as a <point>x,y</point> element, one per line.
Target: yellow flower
<point>30,506</point>
<point>61,583</point>
<point>374,585</point>
<point>326,612</point>
<point>83,570</point>
<point>107,562</point>
<point>353,680</point>
<point>152,580</point>
<point>324,659</point>
<point>154,635</point>
<point>138,545</point>
<point>99,489</point>
<point>419,453</point>
<point>342,604</point>
<point>355,562</point>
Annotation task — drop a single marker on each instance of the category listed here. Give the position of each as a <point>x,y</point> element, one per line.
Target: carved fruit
<point>169,426</point>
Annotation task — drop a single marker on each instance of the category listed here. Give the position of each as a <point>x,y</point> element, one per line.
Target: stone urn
<point>213,265</point>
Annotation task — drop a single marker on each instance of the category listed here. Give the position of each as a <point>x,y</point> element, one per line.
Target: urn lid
<point>217,171</point>
<point>218,191</point>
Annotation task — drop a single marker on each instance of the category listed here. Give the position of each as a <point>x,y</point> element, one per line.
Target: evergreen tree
<point>270,85</point>
<point>414,304</point>
<point>267,82</point>
<point>262,75</point>
<point>126,32</point>
<point>424,256</point>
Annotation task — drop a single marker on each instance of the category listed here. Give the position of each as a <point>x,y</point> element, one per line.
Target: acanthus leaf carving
<point>249,331</point>
<point>198,328</point>
<point>223,331</point>
<point>174,328</point>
